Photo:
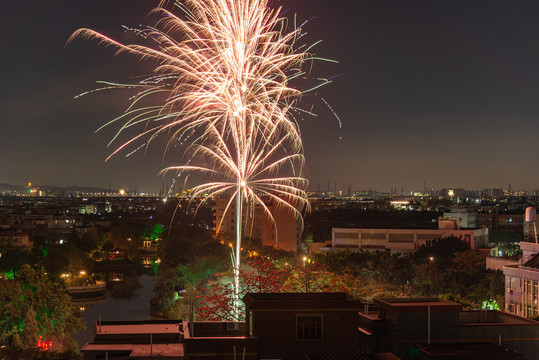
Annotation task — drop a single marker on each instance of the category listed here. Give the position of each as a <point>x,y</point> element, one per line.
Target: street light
<point>304,259</point>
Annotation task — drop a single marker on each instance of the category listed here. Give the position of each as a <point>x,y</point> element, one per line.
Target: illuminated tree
<point>260,275</point>
<point>32,306</point>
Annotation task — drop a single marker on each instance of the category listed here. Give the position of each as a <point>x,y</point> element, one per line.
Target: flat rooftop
<point>348,356</point>
<point>298,296</point>
<point>493,317</point>
<point>138,327</point>
<point>301,301</point>
<point>139,349</point>
<point>479,350</point>
<point>417,304</point>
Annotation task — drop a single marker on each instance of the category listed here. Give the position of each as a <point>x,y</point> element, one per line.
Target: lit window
<point>309,327</point>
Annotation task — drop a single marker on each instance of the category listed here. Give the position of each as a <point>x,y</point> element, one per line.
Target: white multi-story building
<point>522,283</point>
<point>466,219</point>
<point>400,240</point>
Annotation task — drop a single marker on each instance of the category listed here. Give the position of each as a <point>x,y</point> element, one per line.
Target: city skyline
<point>438,93</point>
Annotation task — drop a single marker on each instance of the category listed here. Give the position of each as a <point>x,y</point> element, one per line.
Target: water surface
<point>135,308</point>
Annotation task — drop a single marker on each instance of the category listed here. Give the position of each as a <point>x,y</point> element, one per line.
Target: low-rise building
<point>288,326</point>
<point>466,219</point>
<point>136,340</point>
<point>12,240</point>
<point>282,230</point>
<point>401,325</point>
<point>522,283</point>
<point>399,240</point>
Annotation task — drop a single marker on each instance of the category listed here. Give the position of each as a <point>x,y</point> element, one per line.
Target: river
<point>136,307</point>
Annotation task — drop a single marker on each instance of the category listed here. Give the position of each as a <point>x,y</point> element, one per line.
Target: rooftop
<point>139,349</point>
<point>347,356</point>
<point>533,262</point>
<point>493,317</point>
<point>301,301</point>
<point>477,350</point>
<point>138,327</point>
<point>417,304</point>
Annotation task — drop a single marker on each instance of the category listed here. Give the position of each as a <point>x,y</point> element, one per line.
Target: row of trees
<point>447,266</point>
<point>263,275</point>
<point>194,272</point>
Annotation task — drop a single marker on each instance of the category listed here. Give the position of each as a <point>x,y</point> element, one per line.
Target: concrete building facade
<point>284,233</point>
<point>401,325</point>
<point>399,240</point>
<point>522,283</point>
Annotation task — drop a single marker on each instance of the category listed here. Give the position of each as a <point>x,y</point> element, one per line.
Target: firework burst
<point>222,78</point>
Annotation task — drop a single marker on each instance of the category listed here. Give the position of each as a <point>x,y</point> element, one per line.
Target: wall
<point>276,331</point>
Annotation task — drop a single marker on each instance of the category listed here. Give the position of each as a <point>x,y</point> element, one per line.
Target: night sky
<point>445,92</point>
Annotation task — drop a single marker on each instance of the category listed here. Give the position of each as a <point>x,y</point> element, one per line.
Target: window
<point>309,327</point>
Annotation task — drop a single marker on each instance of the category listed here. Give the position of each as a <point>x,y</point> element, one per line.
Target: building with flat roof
<point>283,232</point>
<point>401,325</point>
<point>136,340</point>
<point>398,240</point>
<point>467,219</point>
<point>217,340</point>
<point>501,222</point>
<point>321,326</point>
<point>12,240</point>
<point>289,325</point>
<point>522,283</point>
<point>470,351</point>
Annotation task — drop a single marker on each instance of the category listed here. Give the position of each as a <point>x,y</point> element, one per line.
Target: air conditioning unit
<point>232,326</point>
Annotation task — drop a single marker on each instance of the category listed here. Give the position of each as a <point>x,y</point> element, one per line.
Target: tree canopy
<point>32,308</point>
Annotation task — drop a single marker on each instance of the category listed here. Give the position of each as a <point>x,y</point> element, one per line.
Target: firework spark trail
<point>134,151</point>
<point>264,158</point>
<point>225,60</point>
<point>225,69</point>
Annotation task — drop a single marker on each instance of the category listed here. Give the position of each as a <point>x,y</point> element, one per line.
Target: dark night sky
<point>439,91</point>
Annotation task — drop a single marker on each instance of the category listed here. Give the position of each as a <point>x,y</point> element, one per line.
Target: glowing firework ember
<point>221,80</point>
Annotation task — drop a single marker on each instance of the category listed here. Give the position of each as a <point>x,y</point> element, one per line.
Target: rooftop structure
<point>401,325</point>
<point>284,233</point>
<point>522,283</point>
<point>133,351</point>
<point>398,305</point>
<point>332,326</point>
<point>469,351</point>
<point>398,240</point>
<point>136,339</point>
